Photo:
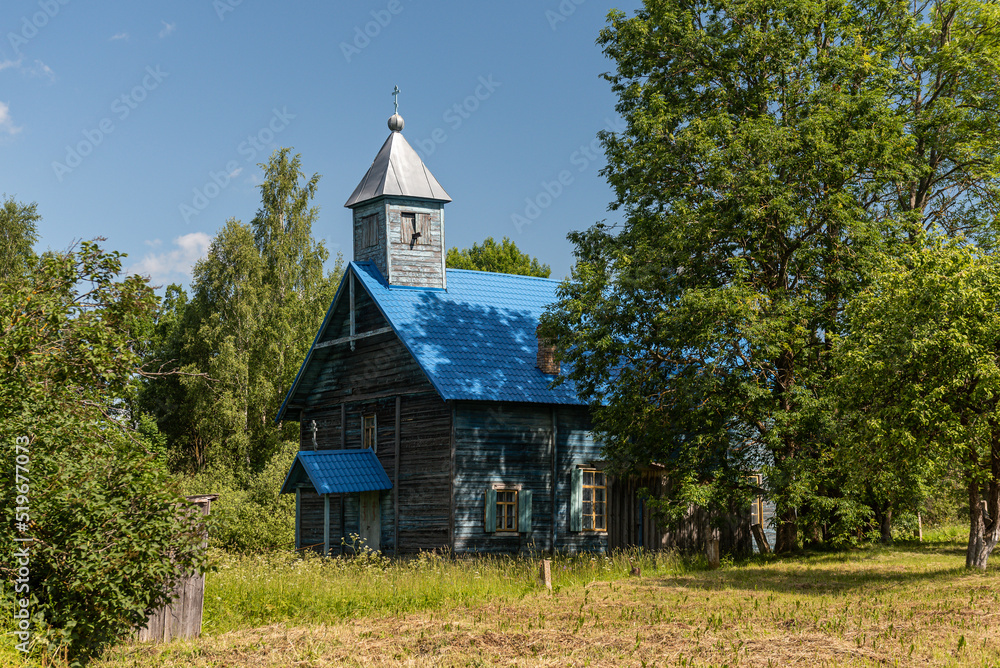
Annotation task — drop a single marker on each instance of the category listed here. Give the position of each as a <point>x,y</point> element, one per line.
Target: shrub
<point>110,534</point>
<point>251,516</point>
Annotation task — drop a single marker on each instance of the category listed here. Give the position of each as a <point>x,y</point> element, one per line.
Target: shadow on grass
<point>821,572</point>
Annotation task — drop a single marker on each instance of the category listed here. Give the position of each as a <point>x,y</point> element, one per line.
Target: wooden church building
<point>427,420</point>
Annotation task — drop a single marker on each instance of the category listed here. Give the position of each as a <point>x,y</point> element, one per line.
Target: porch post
<point>298,518</point>
<point>326,525</point>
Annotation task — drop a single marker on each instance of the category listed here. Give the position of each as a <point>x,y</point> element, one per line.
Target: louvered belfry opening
<point>546,360</point>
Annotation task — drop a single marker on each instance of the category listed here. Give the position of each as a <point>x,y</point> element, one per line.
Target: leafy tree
<point>700,331</point>
<point>257,300</point>
<point>17,236</point>
<point>920,379</point>
<point>503,258</point>
<point>946,92</point>
<point>110,535</point>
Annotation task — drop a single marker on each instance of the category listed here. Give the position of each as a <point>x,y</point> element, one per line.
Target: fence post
<point>712,552</point>
<point>545,573</point>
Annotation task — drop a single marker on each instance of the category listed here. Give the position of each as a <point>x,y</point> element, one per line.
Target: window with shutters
<point>507,510</point>
<point>415,228</point>
<point>369,231</point>
<point>589,501</point>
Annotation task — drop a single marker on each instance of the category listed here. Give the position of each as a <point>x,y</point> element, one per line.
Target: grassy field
<point>913,604</point>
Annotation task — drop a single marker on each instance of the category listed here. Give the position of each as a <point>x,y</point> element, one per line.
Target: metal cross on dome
<point>395,99</point>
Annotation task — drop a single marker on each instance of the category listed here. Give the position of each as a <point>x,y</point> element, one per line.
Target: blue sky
<point>144,122</point>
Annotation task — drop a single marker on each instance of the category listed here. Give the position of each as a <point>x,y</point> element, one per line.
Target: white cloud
<point>174,265</point>
<point>6,122</point>
<point>121,35</point>
<point>236,172</point>
<point>40,69</point>
<point>167,28</point>
<point>153,243</point>
<point>4,64</point>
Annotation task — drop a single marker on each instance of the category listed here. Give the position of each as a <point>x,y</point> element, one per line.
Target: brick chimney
<point>546,360</point>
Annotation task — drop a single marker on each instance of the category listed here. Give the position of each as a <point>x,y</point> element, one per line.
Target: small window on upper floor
<point>415,228</point>
<point>369,433</point>
<point>369,231</point>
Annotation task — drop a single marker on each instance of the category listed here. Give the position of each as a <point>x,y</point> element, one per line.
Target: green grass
<point>256,590</point>
<point>909,604</point>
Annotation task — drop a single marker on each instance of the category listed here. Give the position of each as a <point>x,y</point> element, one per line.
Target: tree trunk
<point>983,534</point>
<point>883,515</point>
<point>786,538</point>
<point>984,524</point>
<point>885,526</point>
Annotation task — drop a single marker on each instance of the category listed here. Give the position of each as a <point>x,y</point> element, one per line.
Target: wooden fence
<point>182,617</point>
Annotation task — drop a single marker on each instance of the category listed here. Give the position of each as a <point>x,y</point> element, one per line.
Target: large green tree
<point>108,534</point>
<point>760,137</point>
<point>920,380</point>
<point>503,258</point>
<point>948,94</point>
<point>257,301</point>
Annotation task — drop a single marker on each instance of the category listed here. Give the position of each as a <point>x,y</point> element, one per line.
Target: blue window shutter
<point>490,512</point>
<point>524,511</point>
<point>576,501</point>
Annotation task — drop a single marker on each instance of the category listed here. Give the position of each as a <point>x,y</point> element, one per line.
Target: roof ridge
<point>500,273</point>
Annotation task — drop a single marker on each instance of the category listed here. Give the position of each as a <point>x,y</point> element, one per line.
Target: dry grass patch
<point>909,606</point>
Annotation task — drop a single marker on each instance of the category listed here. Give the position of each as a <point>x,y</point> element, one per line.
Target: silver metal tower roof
<point>397,170</point>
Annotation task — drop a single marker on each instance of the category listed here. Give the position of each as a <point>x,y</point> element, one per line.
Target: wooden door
<point>371,520</point>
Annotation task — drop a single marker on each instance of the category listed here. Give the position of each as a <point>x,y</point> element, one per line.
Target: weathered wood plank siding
<point>420,263</point>
<point>424,472</point>
<point>368,381</point>
<point>375,253</point>
<point>501,444</point>
<point>311,517</point>
<point>510,445</point>
<point>575,446</point>
<point>631,524</point>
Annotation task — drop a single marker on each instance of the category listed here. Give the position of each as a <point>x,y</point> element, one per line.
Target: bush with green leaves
<point>110,532</point>
<point>250,515</point>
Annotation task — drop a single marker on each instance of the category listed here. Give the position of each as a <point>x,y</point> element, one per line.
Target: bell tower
<point>398,212</point>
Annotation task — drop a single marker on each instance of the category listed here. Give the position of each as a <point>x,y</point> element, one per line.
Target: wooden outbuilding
<point>438,376</point>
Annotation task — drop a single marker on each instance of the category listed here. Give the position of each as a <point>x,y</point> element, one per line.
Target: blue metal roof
<point>337,472</point>
<point>476,340</point>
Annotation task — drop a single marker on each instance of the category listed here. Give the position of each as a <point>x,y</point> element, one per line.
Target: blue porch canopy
<point>337,472</point>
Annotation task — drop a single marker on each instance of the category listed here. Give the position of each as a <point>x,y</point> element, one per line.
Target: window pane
<point>588,521</point>
<point>599,478</point>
